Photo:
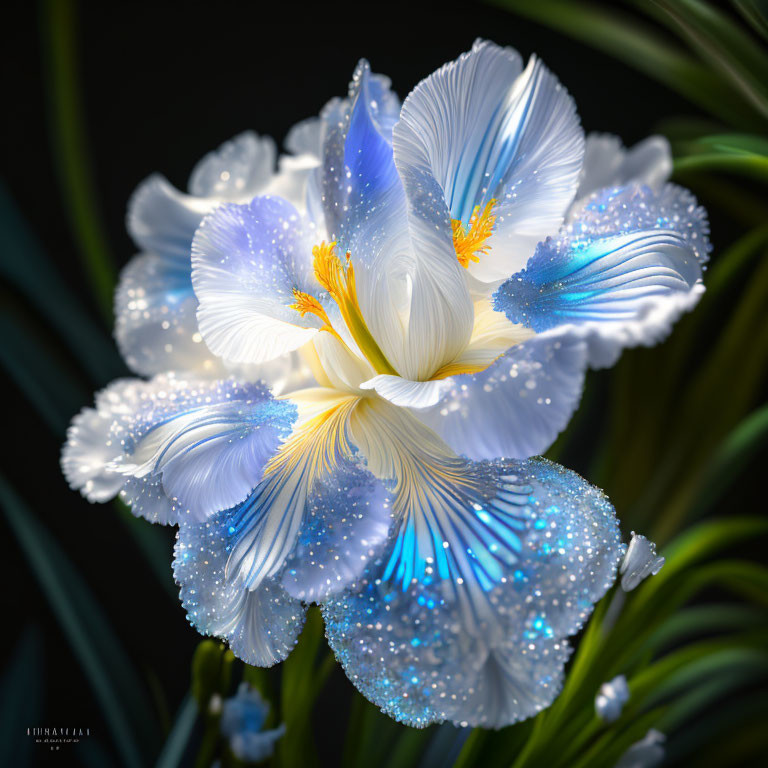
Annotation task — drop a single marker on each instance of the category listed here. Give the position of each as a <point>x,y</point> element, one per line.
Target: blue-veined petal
<point>617,291</point>
<point>246,262</point>
<point>208,441</point>
<point>418,654</point>
<point>238,170</point>
<point>268,522</point>
<point>260,625</point>
<point>346,521</point>
<point>485,130</point>
<point>607,163</point>
<point>457,521</point>
<point>412,293</point>
<point>532,390</point>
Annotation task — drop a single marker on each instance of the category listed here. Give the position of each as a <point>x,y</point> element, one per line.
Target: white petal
<point>90,448</point>
<point>236,171</point>
<point>407,393</point>
<point>163,220</point>
<point>607,163</point>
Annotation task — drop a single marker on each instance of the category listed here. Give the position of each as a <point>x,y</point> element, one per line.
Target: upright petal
<point>261,625</point>
<point>246,262</point>
<point>486,130</point>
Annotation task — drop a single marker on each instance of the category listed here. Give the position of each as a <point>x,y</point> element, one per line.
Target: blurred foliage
<point>682,431</point>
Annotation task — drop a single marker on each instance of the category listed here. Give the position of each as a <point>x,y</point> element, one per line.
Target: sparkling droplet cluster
<point>346,520</point>
<point>633,208</point>
<point>262,625</point>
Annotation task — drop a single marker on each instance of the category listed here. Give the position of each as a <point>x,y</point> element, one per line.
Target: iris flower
<point>444,272</point>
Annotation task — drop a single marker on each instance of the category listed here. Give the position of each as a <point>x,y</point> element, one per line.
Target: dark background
<point>162,84</point>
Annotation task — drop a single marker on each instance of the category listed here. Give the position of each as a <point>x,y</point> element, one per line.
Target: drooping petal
<point>156,318</point>
<point>414,652</point>
<point>417,654</point>
<point>347,519</point>
<point>208,442</point>
<point>532,390</point>
<point>261,625</point>
<point>468,524</point>
<point>246,262</point>
<point>238,170</point>
<point>485,130</point>
<point>89,449</point>
<point>620,274</point>
<point>408,653</point>
<point>175,447</point>
<point>607,163</point>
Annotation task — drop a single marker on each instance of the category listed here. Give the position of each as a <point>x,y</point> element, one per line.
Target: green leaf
<point>124,703</point>
<point>27,267</point>
<point>21,698</point>
<point>732,458</point>
<point>727,48</point>
<point>756,13</point>
<point>176,743</point>
<point>206,671</point>
<point>637,43</point>
<point>70,144</point>
<point>303,676</point>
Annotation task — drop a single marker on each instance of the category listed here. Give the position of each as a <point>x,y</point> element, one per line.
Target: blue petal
<point>609,279</point>
<point>209,441</point>
<point>633,208</point>
<point>619,275</point>
<point>422,656</point>
<point>261,625</point>
<point>346,522</point>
